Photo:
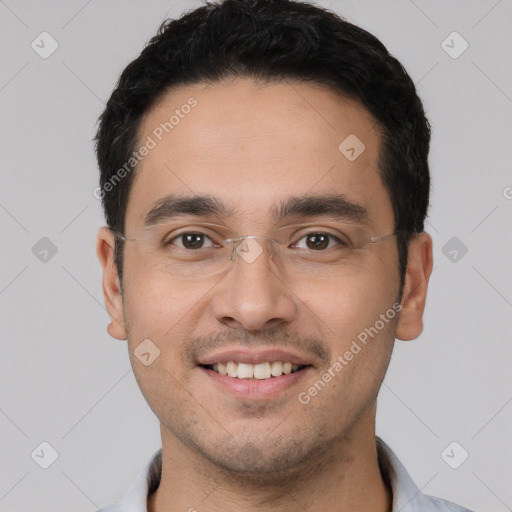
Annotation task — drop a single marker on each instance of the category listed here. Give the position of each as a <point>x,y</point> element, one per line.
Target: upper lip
<point>253,357</point>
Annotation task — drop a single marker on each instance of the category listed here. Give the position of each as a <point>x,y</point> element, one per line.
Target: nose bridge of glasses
<point>250,247</point>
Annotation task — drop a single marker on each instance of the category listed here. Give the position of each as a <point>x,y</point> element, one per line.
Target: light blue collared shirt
<point>406,495</point>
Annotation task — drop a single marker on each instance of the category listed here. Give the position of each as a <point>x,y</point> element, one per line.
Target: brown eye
<point>191,241</point>
<point>317,241</point>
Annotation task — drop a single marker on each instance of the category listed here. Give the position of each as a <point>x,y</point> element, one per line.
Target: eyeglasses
<point>298,251</point>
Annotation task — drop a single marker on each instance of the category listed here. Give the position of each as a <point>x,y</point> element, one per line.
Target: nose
<point>253,295</point>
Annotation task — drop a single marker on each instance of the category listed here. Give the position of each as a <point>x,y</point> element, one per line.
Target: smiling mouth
<point>261,371</point>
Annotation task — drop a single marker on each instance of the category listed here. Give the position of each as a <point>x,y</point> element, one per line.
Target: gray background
<point>63,380</point>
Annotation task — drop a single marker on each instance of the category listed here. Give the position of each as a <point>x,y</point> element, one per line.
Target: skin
<point>252,145</point>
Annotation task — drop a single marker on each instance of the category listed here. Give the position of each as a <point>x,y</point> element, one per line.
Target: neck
<point>344,478</point>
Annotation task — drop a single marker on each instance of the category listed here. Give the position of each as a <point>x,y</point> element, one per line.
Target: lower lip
<point>254,389</point>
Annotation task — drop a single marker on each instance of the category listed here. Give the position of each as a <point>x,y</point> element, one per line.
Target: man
<point>265,182</point>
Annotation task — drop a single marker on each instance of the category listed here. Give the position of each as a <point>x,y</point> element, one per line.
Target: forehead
<point>253,146</point>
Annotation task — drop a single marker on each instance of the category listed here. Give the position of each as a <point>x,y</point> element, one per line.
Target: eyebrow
<point>336,206</point>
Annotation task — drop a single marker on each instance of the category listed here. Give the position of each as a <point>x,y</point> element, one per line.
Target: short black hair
<point>272,40</point>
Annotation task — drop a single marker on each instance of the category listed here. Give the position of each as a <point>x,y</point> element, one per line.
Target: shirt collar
<point>147,481</point>
<point>406,495</point>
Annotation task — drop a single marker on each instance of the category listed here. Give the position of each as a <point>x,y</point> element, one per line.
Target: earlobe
<point>110,282</point>
<point>419,268</point>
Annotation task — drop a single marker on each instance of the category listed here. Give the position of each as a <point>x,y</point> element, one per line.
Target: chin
<point>264,462</point>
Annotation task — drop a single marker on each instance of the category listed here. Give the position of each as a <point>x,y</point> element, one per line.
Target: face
<point>254,149</point>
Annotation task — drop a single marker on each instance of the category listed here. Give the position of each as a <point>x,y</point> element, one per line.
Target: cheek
<point>346,306</point>
<point>162,310</point>
<point>159,307</point>
<point>358,325</point>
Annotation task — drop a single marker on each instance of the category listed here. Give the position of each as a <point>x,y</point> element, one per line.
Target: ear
<point>111,285</point>
<point>419,268</point>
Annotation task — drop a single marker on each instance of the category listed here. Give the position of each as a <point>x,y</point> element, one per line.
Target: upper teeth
<point>257,371</point>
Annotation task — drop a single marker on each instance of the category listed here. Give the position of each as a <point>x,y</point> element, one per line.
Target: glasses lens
<point>307,253</point>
